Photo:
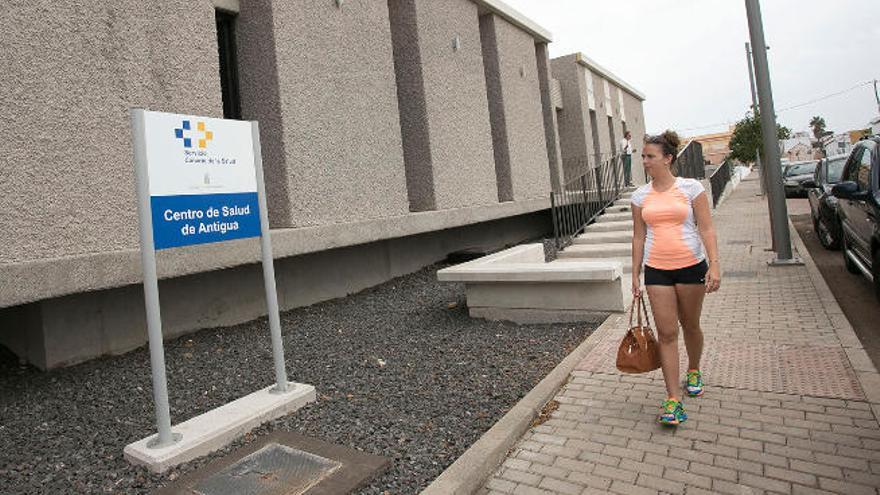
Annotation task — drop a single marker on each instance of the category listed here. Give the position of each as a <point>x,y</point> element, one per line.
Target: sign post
<point>199,180</point>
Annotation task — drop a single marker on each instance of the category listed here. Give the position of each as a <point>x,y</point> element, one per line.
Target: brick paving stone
<point>559,486</point>
<point>769,422</point>
<point>846,488</point>
<point>789,475</point>
<point>629,489</point>
<point>521,477</point>
<point>764,483</point>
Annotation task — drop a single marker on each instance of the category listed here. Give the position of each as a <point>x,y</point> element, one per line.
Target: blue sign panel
<point>203,218</point>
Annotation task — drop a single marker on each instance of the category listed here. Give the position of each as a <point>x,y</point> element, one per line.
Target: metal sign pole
<point>269,268</point>
<point>151,285</point>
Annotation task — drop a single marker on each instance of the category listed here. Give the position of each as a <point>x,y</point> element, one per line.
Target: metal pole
<point>775,193</point>
<point>269,268</point>
<point>755,112</point>
<point>151,285</point>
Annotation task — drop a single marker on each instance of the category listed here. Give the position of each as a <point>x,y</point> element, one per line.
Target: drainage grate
<point>739,242</point>
<point>273,470</point>
<point>282,463</point>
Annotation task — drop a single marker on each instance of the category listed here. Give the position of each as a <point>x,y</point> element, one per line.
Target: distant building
<point>716,146</point>
<point>799,147</point>
<point>837,144</point>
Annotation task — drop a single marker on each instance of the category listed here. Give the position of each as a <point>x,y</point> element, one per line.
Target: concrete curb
<point>869,378</point>
<point>468,473</point>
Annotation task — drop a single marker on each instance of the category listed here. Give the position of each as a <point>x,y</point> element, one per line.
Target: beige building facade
<point>393,133</point>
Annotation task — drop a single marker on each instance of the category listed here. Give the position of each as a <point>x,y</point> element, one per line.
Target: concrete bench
<point>518,285</point>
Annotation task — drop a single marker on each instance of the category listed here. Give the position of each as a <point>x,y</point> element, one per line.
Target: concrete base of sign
<point>215,429</point>
<point>518,285</point>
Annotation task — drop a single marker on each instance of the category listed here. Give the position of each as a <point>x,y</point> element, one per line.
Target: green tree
<point>746,138</point>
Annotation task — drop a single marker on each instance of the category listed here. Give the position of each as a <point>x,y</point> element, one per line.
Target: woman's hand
<point>713,278</point>
<point>636,286</point>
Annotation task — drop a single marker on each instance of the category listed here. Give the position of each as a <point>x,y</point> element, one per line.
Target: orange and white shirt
<point>673,240</point>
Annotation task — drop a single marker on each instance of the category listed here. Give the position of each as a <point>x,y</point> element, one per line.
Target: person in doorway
<point>626,150</point>
<point>672,235</point>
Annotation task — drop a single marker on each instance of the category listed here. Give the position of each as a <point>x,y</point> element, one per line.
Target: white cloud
<point>688,56</point>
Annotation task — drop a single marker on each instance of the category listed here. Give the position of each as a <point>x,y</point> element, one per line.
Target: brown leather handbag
<point>638,351</point>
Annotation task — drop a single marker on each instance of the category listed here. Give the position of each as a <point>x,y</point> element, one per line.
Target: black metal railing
<point>690,162</point>
<point>584,196</point>
<point>719,180</point>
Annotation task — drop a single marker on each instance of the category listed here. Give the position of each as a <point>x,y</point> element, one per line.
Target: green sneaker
<point>673,413</point>
<point>694,383</point>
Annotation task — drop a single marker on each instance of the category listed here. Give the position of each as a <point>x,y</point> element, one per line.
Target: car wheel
<point>850,264</point>
<point>826,237</point>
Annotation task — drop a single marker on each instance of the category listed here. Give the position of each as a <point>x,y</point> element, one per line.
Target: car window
<point>849,171</point>
<point>801,169</point>
<point>863,172</point>
<point>835,170</point>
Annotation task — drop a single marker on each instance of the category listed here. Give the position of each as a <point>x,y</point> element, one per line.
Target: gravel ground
<point>401,371</point>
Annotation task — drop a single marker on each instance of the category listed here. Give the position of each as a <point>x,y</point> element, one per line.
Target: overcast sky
<point>688,56</point>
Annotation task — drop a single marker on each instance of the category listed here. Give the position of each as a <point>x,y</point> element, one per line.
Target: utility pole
<point>877,95</point>
<point>775,193</point>
<point>755,112</point>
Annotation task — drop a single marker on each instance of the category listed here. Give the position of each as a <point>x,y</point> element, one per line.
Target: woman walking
<point>672,235</point>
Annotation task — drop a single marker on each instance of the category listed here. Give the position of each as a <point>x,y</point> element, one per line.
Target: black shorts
<point>691,275</point>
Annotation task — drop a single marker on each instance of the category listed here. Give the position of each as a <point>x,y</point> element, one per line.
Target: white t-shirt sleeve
<point>693,188</point>
<point>638,196</point>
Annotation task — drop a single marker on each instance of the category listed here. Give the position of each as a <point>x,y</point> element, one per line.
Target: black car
<point>823,204</point>
<point>858,195</point>
<point>795,174</point>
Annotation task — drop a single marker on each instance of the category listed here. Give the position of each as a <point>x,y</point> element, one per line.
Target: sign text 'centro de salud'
<point>202,180</point>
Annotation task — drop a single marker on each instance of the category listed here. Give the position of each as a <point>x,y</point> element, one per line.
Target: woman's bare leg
<point>664,305</point>
<point>690,307</point>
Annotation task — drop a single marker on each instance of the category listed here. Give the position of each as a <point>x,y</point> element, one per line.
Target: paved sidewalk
<point>791,402</point>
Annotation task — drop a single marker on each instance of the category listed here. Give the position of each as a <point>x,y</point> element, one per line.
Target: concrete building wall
<point>573,118</point>
<point>66,330</point>
<point>551,96</point>
<point>68,78</point>
<point>339,115</point>
<point>461,153</point>
<point>516,116</point>
<point>521,100</point>
<point>635,123</point>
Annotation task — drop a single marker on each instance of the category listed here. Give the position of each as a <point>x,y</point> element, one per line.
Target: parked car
<point>858,194</point>
<point>823,204</point>
<point>794,174</point>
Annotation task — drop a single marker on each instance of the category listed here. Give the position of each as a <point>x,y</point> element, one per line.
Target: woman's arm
<point>703,216</point>
<point>640,230</point>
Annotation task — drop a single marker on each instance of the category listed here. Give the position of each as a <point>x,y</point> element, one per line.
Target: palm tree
<point>818,125</point>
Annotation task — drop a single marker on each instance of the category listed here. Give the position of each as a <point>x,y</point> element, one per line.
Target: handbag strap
<point>639,307</point>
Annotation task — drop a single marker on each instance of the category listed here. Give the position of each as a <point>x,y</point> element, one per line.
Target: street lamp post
<point>771,162</point>
<point>755,112</point>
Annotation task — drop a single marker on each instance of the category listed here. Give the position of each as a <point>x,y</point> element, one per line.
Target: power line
<point>822,98</point>
<point>792,107</point>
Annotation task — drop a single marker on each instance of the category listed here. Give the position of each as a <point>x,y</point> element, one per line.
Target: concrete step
<point>618,209</point>
<point>623,202</point>
<point>625,262</point>
<point>603,238</point>
<point>589,251</point>
<point>625,225</point>
<point>614,217</point>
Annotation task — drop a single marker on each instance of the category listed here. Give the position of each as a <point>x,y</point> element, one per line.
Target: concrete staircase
<point>609,238</point>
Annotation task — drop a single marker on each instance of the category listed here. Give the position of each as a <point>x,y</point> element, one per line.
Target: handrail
<point>584,197</point>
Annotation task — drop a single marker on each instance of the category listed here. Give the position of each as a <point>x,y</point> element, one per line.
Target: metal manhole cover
<point>282,463</point>
<point>273,470</point>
